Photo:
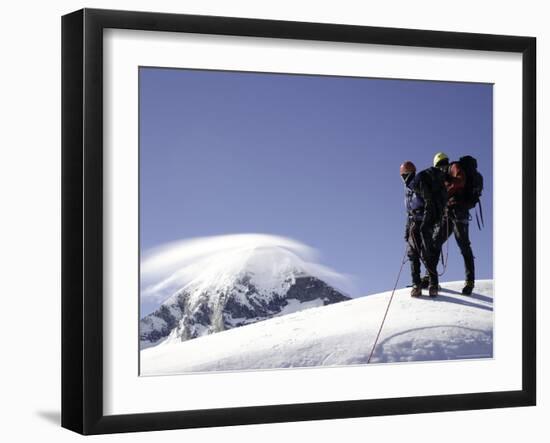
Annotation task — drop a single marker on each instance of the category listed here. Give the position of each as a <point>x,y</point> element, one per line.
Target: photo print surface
<point>279,211</point>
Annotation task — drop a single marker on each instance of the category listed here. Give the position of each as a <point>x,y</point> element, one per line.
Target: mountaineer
<point>425,201</point>
<point>464,186</point>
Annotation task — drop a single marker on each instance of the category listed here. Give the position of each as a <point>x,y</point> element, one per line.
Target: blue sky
<point>314,158</point>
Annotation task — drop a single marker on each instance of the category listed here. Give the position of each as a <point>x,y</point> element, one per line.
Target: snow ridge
<point>451,326</point>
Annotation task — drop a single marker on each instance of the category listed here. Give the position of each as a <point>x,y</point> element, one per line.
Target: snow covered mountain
<point>237,287</point>
<point>451,326</point>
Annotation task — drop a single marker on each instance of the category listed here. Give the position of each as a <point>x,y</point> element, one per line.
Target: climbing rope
<point>403,261</point>
<point>444,262</point>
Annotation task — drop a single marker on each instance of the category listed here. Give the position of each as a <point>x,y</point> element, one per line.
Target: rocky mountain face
<point>202,308</point>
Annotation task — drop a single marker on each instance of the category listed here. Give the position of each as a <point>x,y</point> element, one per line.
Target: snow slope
<point>451,326</point>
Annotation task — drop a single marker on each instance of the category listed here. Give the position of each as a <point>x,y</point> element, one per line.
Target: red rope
<point>403,261</point>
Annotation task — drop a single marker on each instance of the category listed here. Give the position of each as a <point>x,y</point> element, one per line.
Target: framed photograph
<point>269,221</point>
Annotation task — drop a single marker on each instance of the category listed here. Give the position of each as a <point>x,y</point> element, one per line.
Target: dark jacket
<point>425,200</point>
<point>414,203</point>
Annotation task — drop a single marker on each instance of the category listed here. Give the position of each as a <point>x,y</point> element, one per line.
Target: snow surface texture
<point>451,326</point>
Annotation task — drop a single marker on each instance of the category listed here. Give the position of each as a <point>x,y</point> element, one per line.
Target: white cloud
<point>169,267</point>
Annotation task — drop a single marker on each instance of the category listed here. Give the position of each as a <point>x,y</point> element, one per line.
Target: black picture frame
<point>82,218</point>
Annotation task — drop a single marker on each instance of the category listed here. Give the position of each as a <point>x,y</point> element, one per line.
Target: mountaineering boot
<point>468,288</point>
<point>432,290</point>
<point>425,282</point>
<point>416,291</point>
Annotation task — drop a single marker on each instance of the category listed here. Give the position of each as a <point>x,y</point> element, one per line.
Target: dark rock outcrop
<point>188,315</point>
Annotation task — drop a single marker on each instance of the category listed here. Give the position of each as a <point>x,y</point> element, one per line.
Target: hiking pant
<point>458,220</point>
<point>421,248</point>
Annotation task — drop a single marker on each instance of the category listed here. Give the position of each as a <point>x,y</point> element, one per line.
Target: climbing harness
<point>443,260</point>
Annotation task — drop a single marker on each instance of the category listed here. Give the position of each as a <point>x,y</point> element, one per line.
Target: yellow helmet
<point>440,156</point>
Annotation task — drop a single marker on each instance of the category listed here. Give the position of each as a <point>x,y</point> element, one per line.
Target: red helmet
<point>407,168</point>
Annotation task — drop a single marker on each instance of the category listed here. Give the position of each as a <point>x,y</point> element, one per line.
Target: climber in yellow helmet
<point>457,217</point>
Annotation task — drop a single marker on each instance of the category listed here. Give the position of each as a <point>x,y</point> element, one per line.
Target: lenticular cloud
<point>168,268</point>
